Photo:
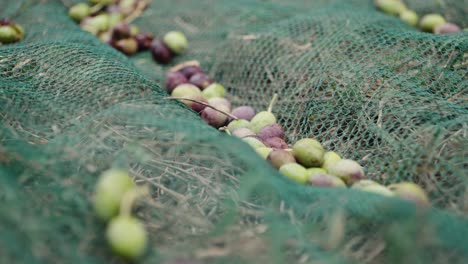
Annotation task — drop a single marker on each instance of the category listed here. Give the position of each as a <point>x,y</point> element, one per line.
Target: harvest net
<point>364,84</point>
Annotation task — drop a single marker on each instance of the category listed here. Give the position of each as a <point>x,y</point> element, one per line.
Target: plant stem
<point>224,128</point>
<point>96,8</point>
<point>202,103</point>
<point>137,12</point>
<point>272,102</point>
<point>129,198</point>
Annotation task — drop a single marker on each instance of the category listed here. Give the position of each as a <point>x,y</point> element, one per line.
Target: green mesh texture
<point>364,84</point>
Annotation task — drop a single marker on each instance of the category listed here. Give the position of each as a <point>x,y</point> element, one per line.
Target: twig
<point>224,128</point>
<point>182,65</point>
<point>129,198</point>
<point>137,12</point>
<point>272,102</point>
<point>96,8</point>
<point>202,103</point>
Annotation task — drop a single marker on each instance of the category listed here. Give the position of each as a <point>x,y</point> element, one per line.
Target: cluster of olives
<point>10,32</point>
<point>306,162</point>
<point>113,197</point>
<point>434,23</point>
<point>188,83</point>
<point>110,20</point>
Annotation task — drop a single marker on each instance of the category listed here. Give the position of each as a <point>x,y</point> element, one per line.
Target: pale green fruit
<point>348,170</point>
<point>127,6</point>
<point>410,17</point>
<point>79,11</point>
<point>429,22</point>
<point>295,172</point>
<point>253,142</point>
<point>8,34</point>
<point>263,151</point>
<point>391,7</point>
<point>260,120</point>
<point>115,19</point>
<point>110,189</point>
<point>312,171</point>
<point>308,152</point>
<point>329,158</point>
<point>127,237</point>
<point>189,91</point>
<point>363,183</point>
<point>410,192</point>
<point>185,89</point>
<point>378,189</point>
<point>176,41</point>
<point>96,24</point>
<point>218,101</point>
<point>325,180</point>
<point>214,90</point>
<point>239,123</point>
<point>242,132</point>
<point>19,29</point>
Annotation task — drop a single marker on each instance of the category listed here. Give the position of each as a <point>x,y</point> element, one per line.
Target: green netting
<point>364,84</point>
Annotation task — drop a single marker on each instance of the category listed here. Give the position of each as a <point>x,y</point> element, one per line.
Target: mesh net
<point>364,84</point>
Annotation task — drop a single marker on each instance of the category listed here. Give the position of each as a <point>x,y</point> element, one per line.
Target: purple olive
<point>447,28</point>
<point>275,142</point>
<point>5,22</point>
<point>190,70</point>
<point>274,130</point>
<point>144,41</point>
<point>173,80</point>
<point>201,80</point>
<point>160,52</point>
<point>213,117</point>
<point>244,112</point>
<point>121,31</point>
<point>325,180</point>
<point>279,157</point>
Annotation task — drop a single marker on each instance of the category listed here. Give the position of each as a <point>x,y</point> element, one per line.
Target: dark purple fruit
<point>275,142</point>
<point>5,22</point>
<point>190,70</point>
<point>270,131</point>
<point>279,157</point>
<point>121,31</point>
<point>160,52</point>
<point>215,118</point>
<point>244,112</point>
<point>127,46</point>
<point>144,41</point>
<point>173,80</point>
<point>201,80</point>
